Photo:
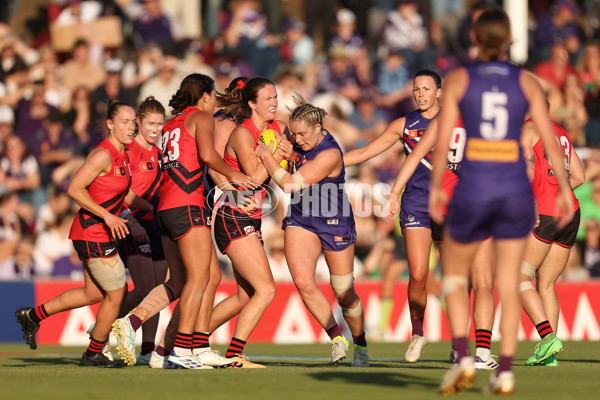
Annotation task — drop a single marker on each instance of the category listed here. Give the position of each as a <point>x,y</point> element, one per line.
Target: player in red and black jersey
<point>145,261</point>
<point>187,146</point>
<point>548,248</point>
<point>238,234</point>
<point>100,187</point>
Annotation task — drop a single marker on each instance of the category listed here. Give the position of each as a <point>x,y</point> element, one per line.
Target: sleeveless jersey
<point>146,175</point>
<point>544,184</point>
<point>416,193</point>
<point>493,165</point>
<point>182,170</point>
<point>233,161</point>
<point>108,191</point>
<point>455,155</point>
<point>324,206</point>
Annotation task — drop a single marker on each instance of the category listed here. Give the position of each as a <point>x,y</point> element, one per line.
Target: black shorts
<point>437,232</point>
<point>86,249</point>
<point>177,222</point>
<point>547,233</point>
<point>154,249</point>
<point>233,224</point>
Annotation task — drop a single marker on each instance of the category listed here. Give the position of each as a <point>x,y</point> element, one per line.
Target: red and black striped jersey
<point>233,162</point>
<point>108,191</point>
<point>182,169</point>
<point>146,175</point>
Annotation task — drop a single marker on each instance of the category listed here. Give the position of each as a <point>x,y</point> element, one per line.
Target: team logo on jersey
<point>248,230</point>
<point>119,171</point>
<point>298,159</point>
<point>415,133</point>
<point>146,166</point>
<point>411,218</point>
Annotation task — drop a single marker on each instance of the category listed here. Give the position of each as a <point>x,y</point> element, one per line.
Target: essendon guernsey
<point>146,175</point>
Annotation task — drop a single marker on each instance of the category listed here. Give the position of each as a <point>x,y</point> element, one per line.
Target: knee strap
<point>341,283</point>
<point>108,272</point>
<point>353,312</point>
<point>528,269</point>
<point>523,286</point>
<point>451,283</point>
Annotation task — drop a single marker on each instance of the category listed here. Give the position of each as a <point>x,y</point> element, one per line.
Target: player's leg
<point>341,269</point>
<point>482,282</point>
<point>418,247</point>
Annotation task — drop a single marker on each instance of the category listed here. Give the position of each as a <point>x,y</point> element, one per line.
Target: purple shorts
<point>510,217</point>
<point>329,241</point>
<point>414,219</point>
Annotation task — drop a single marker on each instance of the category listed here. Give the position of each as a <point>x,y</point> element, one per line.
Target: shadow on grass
<point>366,377</point>
<point>31,361</point>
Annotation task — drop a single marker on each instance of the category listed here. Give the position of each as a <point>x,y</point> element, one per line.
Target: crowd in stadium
<point>355,59</point>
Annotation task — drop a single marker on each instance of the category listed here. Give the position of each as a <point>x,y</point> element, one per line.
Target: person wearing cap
<point>347,38</point>
<point>112,88</point>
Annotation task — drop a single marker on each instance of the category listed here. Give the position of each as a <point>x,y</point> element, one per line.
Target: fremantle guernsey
<point>108,191</point>
<point>323,207</point>
<point>146,175</point>
<point>544,184</point>
<point>493,165</point>
<point>233,162</point>
<point>416,193</point>
<point>182,170</point>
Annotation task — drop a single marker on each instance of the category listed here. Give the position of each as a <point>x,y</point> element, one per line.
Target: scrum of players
<point>152,192</point>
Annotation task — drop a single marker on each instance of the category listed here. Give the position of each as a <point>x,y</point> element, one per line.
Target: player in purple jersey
<point>493,196</point>
<point>320,218</point>
<point>414,214</point>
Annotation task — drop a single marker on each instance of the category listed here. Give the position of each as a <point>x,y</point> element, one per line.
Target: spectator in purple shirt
<point>558,26</point>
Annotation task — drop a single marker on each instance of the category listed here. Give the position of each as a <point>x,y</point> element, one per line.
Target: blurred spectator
<point>112,88</point>
<point>570,111</point>
<point>339,76</point>
<point>31,112</point>
<point>58,204</point>
<point>80,71</point>
<point>367,117</point>
<point>137,71</point>
<point>7,121</point>
<point>81,117</point>
<point>276,256</point>
<point>557,26</point>
<point>353,44</point>
<point>150,23</point>
<point>195,60</point>
<point>164,85</point>
<point>79,11</point>
<point>20,172</point>
<point>247,35</point>
<point>320,17</point>
<point>287,84</point>
<point>299,50</point>
<point>188,13</point>
<point>21,265</point>
<point>53,244</point>
<point>589,74</point>
<point>58,146</point>
<point>464,47</point>
<point>405,29</point>
<point>394,84</point>
<point>69,267</point>
<point>10,230</point>
<point>556,69</point>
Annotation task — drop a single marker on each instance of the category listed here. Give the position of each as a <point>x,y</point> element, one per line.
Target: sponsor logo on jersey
<point>492,151</point>
<point>144,248</point>
<point>119,171</point>
<point>413,124</point>
<point>415,133</point>
<point>333,221</point>
<point>146,166</point>
<point>249,229</point>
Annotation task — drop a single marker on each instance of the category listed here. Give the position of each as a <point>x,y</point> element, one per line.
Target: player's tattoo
<point>531,159</point>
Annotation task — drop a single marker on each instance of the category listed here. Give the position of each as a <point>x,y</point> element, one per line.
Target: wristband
<point>125,213</point>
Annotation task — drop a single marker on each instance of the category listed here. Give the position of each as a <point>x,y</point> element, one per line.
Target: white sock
<point>182,351</point>
<point>483,353</point>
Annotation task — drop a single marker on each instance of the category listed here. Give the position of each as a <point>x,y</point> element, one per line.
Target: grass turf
<point>294,372</point>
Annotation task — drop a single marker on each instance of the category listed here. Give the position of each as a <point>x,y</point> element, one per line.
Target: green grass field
<point>294,372</point>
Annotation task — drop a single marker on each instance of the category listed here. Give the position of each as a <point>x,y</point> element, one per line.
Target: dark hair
<point>149,106</point>
<point>492,29</point>
<point>191,90</point>
<point>432,74</point>
<point>236,102</point>
<point>112,108</point>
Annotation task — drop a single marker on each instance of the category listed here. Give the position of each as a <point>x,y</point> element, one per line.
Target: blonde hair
<point>306,112</point>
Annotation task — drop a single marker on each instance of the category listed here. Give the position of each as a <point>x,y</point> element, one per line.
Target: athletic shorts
<point>86,249</point>
<point>410,219</point>
<point>437,232</point>
<point>332,242</point>
<point>177,222</point>
<point>154,249</point>
<point>231,224</point>
<point>546,231</point>
<point>510,217</point>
